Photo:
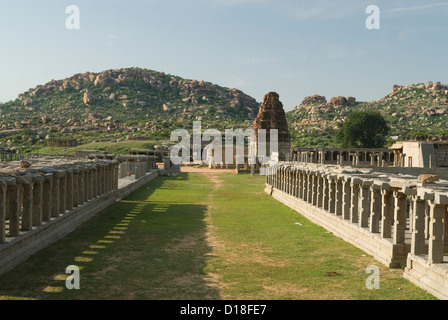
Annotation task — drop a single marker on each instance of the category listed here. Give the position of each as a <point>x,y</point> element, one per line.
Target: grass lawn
<point>203,236</point>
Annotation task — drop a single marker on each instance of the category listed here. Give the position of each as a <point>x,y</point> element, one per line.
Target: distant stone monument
<point>272,116</point>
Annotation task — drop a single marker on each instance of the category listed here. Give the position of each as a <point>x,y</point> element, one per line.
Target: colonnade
<point>28,200</point>
<point>400,210</point>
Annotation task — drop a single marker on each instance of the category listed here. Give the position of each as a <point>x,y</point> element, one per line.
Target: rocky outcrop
<point>88,97</point>
<point>342,101</point>
<point>315,99</point>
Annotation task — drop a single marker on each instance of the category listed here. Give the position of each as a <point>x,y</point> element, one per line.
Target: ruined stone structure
<point>272,116</point>
<point>41,204</point>
<point>62,142</point>
<point>345,156</point>
<point>420,154</point>
<point>396,218</point>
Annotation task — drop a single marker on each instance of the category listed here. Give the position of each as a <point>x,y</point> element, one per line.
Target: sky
<point>295,48</point>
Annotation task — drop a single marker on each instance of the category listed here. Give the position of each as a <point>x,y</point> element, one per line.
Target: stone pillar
<point>325,192</point>
<point>95,181</point>
<point>55,194</point>
<point>375,208</point>
<point>305,186</point>
<point>86,184</point>
<point>3,188</point>
<point>364,207</point>
<point>332,194</point>
<point>300,185</point>
<point>116,178</point>
<point>75,186</point>
<point>62,192</point>
<point>418,245</point>
<point>309,197</point>
<point>37,200</point>
<point>346,197</point>
<point>81,186</point>
<point>289,182</point>
<point>386,213</point>
<point>315,189</point>
<point>27,202</point>
<point>69,189</point>
<point>435,249</point>
<point>399,217</point>
<point>320,191</point>
<point>354,208</point>
<point>339,197</point>
<point>47,196</point>
<point>13,207</point>
<point>104,178</point>
<point>293,182</point>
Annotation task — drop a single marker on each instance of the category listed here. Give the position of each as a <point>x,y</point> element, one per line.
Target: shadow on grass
<point>144,247</point>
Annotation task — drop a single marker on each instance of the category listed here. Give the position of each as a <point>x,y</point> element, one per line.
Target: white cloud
<point>236,81</point>
<point>426,6</point>
<point>238,2</point>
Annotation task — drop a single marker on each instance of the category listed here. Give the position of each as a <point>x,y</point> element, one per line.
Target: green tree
<point>363,129</point>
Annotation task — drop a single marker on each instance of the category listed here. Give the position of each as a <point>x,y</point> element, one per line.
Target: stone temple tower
<point>272,116</point>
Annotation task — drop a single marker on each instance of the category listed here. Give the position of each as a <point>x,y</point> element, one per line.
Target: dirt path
<point>205,170</point>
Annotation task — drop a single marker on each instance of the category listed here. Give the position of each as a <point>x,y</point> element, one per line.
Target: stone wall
<point>396,218</point>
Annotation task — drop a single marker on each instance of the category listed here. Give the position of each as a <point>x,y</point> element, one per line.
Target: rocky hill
<point>413,111</point>
<point>120,103</point>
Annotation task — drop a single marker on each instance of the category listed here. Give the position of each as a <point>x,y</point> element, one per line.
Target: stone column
<point>339,197</point>
<point>62,192</point>
<point>435,249</point>
<point>309,196</point>
<point>69,189</point>
<point>300,185</point>
<point>55,194</point>
<point>95,181</point>
<point>27,201</point>
<point>315,189</point>
<point>376,207</point>
<point>86,184</point>
<point>47,196</point>
<point>332,194</point>
<point>386,213</point>
<point>3,188</point>
<point>305,186</point>
<point>325,192</point>
<point>399,217</point>
<point>75,186</point>
<point>116,178</point>
<point>13,206</point>
<point>289,181</point>
<point>293,182</point>
<point>346,197</point>
<point>320,191</point>
<point>364,207</point>
<point>418,245</point>
<point>37,200</point>
<point>354,208</point>
<point>81,186</point>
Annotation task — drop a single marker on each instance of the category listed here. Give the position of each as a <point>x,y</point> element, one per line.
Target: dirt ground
<point>205,170</point>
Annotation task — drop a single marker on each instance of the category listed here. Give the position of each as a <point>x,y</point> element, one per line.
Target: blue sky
<point>296,48</point>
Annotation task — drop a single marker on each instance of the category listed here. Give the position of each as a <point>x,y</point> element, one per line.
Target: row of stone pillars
<point>27,201</point>
<point>377,206</point>
<point>379,159</point>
